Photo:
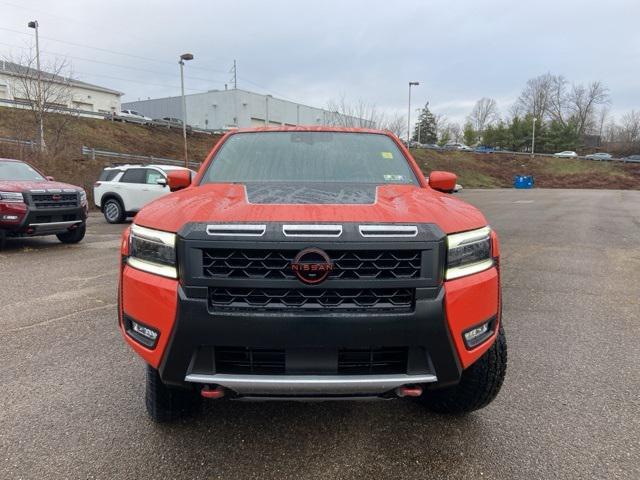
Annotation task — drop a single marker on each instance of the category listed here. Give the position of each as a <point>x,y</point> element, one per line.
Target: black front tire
<point>73,236</point>
<point>166,404</point>
<point>479,385</point>
<point>113,211</point>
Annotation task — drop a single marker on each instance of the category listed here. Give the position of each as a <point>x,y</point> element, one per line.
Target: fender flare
<point>109,195</point>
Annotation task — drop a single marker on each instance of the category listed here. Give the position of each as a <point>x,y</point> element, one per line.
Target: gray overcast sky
<point>312,52</point>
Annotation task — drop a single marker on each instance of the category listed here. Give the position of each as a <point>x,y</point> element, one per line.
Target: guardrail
<point>94,153</point>
<point>14,141</point>
<point>528,154</point>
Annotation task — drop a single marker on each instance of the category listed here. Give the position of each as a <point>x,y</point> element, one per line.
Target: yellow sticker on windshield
<point>388,155</point>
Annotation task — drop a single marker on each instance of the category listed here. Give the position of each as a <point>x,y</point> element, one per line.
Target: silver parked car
<point>566,154</point>
<point>599,156</point>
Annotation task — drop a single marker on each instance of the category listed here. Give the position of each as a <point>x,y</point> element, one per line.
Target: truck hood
<point>24,186</point>
<point>237,203</point>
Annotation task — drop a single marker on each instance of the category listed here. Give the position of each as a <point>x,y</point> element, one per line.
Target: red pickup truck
<point>313,262</point>
<point>32,204</point>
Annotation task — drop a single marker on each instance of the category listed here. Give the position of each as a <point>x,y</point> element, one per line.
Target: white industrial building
<point>16,80</point>
<point>235,108</point>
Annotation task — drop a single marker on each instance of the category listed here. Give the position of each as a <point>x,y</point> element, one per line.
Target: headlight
<point>468,253</point>
<point>83,197</point>
<point>12,197</point>
<point>153,251</point>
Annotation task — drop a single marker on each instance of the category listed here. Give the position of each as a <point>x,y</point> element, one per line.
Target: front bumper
<point>189,332</point>
<point>34,222</point>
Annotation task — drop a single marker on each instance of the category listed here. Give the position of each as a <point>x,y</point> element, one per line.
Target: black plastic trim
<point>425,329</point>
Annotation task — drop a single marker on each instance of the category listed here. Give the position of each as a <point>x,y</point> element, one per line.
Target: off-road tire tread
<point>479,385</point>
<point>165,404</point>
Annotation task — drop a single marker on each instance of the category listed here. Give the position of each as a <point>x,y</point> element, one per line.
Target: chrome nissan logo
<point>312,265</point>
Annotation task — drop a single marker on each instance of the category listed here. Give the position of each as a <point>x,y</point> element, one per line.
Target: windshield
<point>309,157</point>
<point>18,171</point>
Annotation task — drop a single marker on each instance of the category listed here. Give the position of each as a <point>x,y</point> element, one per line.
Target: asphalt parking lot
<point>72,392</point>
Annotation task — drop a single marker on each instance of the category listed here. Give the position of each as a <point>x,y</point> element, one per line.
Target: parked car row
<point>133,116</point>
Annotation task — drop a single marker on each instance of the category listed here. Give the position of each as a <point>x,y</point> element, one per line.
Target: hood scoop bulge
<point>307,194</point>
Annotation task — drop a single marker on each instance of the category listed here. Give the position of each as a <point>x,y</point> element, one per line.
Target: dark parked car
<point>484,149</point>
<point>170,122</point>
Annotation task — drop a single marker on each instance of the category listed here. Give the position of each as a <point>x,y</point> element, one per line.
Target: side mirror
<point>162,181</point>
<point>178,179</point>
<point>51,179</point>
<point>443,181</point>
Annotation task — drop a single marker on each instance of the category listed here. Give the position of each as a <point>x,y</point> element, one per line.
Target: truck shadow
<point>310,439</point>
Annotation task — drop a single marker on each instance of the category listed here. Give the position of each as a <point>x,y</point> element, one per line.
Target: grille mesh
<point>316,298</point>
<point>265,361</point>
<point>276,264</point>
<point>46,200</point>
<point>372,361</point>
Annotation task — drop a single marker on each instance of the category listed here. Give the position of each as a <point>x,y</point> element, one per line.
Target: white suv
<point>122,191</point>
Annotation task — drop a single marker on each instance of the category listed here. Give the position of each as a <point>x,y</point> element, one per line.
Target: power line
<point>156,72</point>
<point>139,57</point>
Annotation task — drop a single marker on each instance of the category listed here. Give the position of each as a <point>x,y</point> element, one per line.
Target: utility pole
<point>419,129</point>
<point>411,84</point>
<point>184,57</point>
<point>34,24</point>
<point>533,138</point>
<point>235,75</point>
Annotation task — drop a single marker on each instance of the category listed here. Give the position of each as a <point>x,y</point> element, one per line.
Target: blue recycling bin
<point>523,181</point>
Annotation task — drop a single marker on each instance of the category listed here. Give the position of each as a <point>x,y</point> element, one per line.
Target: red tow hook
<point>208,392</point>
<point>405,391</point>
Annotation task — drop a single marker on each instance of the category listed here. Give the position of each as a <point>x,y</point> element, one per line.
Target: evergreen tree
<point>558,137</point>
<point>469,135</point>
<point>425,129</point>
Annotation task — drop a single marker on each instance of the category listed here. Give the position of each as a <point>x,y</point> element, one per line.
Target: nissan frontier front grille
<point>348,299</point>
<point>53,200</point>
<point>276,264</point>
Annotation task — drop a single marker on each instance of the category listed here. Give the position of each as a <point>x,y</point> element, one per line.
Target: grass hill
<point>493,170</point>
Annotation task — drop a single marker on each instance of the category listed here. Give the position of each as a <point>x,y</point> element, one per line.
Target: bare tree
<point>602,117</point>
<point>611,131</point>
<point>484,113</point>
<point>455,131</point>
<point>41,91</point>
<point>396,124</point>
<point>535,98</point>
<point>359,114</point>
<point>440,122</point>
<point>629,130</point>
<point>583,101</point>
<point>558,99</point>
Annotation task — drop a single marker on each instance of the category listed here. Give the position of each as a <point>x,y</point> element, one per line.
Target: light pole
<point>184,57</point>
<point>533,138</point>
<point>411,84</point>
<point>34,24</point>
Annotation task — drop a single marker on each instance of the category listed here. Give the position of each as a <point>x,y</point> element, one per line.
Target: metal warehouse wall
<point>220,109</point>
